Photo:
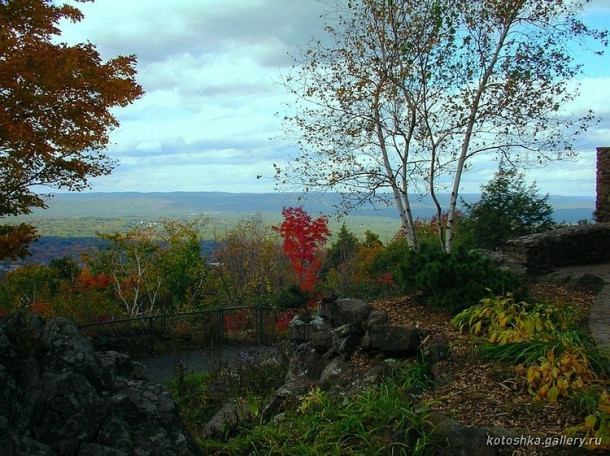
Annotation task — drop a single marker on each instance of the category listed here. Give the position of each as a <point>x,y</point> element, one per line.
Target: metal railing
<point>196,329</point>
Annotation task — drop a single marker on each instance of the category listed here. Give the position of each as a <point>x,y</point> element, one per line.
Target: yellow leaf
<point>553,394</point>
<point>477,327</point>
<point>591,421</point>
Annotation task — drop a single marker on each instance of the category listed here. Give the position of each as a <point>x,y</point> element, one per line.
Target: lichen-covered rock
<point>231,414</point>
<point>436,348</point>
<point>336,373</point>
<point>346,311</point>
<point>60,397</point>
<point>378,317</point>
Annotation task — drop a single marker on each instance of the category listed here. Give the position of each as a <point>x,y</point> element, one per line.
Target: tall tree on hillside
<point>409,91</point>
<point>153,268</point>
<point>251,265</point>
<point>507,209</point>
<point>55,110</point>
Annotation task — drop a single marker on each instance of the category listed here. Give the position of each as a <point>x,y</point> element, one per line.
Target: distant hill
<point>69,225</point>
<point>85,214</point>
<point>569,209</point>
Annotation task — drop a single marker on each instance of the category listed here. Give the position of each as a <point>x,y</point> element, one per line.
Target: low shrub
<point>292,297</point>
<point>555,358</point>
<point>456,280</point>
<point>557,375</point>
<point>502,320</point>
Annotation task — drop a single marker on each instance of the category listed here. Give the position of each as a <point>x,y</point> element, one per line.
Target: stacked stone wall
<point>602,205</point>
<point>541,253</point>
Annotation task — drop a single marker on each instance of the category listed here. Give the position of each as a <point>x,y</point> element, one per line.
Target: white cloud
<point>208,68</point>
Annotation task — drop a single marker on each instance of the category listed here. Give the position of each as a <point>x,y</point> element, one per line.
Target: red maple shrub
<point>304,238</point>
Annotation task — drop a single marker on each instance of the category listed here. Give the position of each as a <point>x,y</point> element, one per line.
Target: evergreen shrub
<point>456,280</point>
<point>292,297</point>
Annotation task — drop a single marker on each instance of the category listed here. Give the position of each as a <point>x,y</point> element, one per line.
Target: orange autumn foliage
<point>55,105</point>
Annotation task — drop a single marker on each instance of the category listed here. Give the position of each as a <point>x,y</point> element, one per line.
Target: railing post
<point>260,324</point>
<point>150,330</point>
<point>221,324</point>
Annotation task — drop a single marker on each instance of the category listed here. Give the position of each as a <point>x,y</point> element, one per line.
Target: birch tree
<point>131,259</point>
<point>405,94</point>
<point>153,268</point>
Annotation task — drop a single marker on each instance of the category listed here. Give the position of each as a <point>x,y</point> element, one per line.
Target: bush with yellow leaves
<point>501,320</point>
<point>557,375</point>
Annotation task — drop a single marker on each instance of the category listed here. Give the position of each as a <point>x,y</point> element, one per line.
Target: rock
<point>287,393</point>
<point>399,341</point>
<point>336,373</point>
<point>346,339</point>
<point>505,261</point>
<point>378,317</point>
<point>349,329</point>
<point>345,346</point>
<point>69,349</point>
<point>363,380</point>
<point>472,440</point>
<point>345,311</point>
<point>120,365</point>
<point>441,373</point>
<point>436,348</point>
<point>587,282</point>
<point>540,253</point>
<point>321,339</point>
<point>92,449</point>
<point>229,415</point>
<point>306,365</point>
<point>65,399</point>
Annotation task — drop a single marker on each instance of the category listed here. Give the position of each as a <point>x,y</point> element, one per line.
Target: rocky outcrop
<point>342,328</point>
<point>60,397</point>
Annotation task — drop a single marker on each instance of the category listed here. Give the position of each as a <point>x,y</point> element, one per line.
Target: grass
<point>383,419</point>
<point>380,420</point>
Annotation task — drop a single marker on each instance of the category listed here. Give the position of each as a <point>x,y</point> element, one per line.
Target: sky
<point>211,72</point>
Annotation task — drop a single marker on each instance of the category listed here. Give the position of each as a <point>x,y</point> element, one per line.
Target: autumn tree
<point>304,238</point>
<point>403,94</point>
<point>338,266</point>
<point>56,106</point>
<point>152,268</point>
<point>251,265</point>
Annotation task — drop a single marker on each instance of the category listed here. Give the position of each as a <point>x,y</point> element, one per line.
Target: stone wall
<point>602,205</point>
<point>541,253</point>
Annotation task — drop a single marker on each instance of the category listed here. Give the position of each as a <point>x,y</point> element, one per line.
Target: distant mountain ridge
<point>569,209</point>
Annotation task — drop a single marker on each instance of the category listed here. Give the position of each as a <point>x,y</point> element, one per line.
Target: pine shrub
<point>456,280</point>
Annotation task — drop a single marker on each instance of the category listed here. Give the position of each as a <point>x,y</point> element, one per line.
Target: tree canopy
<point>304,238</point>
<point>508,209</point>
<point>55,109</point>
<point>404,94</point>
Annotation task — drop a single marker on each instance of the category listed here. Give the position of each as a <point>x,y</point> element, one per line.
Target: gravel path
<point>161,368</point>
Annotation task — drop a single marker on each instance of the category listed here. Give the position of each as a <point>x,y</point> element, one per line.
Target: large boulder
<point>346,311</point>
<point>399,341</point>
<point>60,397</point>
<point>336,373</point>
